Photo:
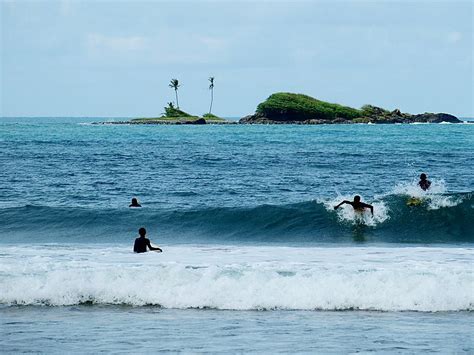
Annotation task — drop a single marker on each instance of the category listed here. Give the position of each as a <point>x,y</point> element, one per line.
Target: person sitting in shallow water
<point>424,182</point>
<point>135,203</point>
<point>141,243</point>
<point>357,204</point>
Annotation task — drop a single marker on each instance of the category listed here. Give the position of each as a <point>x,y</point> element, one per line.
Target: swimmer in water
<point>424,182</point>
<point>357,205</point>
<point>141,243</point>
<point>135,203</point>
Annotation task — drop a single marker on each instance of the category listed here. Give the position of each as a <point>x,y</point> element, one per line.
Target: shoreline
<point>166,122</point>
<point>266,123</point>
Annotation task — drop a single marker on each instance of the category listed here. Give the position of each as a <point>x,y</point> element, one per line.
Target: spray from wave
<point>236,278</point>
<point>346,214</point>
<point>434,198</point>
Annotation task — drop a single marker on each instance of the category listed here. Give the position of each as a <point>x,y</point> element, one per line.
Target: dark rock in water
<point>435,118</point>
<point>340,120</point>
<point>255,119</point>
<point>198,121</point>
<point>259,119</point>
<point>315,121</point>
<point>247,119</point>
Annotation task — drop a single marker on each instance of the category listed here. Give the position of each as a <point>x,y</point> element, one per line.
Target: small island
<point>173,115</point>
<point>290,108</point>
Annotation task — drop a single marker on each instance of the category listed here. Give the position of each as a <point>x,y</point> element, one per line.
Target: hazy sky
<point>104,58</point>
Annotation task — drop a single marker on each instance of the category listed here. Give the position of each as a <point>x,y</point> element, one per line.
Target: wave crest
<point>253,278</point>
<point>438,219</point>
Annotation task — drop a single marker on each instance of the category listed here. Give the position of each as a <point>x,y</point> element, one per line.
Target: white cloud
<point>178,47</point>
<point>98,42</point>
<point>165,47</point>
<point>211,42</point>
<point>454,37</point>
<point>66,7</point>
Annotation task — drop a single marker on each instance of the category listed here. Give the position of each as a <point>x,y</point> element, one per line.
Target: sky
<point>116,59</point>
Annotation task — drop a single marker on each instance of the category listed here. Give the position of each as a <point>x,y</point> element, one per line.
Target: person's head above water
<point>135,203</point>
<point>142,232</point>
<point>424,182</point>
<point>357,204</point>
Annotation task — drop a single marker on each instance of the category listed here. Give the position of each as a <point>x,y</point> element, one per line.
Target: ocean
<point>255,258</point>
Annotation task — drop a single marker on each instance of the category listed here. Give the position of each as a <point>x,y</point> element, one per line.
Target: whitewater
<point>242,278</point>
<point>255,258</point>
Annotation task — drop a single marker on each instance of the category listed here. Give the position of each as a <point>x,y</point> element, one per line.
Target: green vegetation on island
<point>174,115</point>
<point>293,108</point>
<point>290,106</point>
<point>174,84</point>
<point>211,89</point>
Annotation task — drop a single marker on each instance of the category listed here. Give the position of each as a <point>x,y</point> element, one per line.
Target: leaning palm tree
<point>174,84</point>
<point>211,87</point>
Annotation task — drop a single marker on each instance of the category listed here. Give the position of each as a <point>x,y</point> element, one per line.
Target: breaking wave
<point>252,278</point>
<point>439,218</point>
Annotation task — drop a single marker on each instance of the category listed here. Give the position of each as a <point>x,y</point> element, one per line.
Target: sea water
<point>255,257</point>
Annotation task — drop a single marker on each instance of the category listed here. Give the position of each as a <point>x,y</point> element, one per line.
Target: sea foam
<point>435,197</point>
<point>346,213</point>
<point>242,278</point>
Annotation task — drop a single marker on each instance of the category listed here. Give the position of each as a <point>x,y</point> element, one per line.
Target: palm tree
<point>211,87</point>
<point>174,84</point>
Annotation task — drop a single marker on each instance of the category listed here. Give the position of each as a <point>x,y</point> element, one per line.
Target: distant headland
<point>290,108</point>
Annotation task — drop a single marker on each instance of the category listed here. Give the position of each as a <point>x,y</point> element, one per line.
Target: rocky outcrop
<point>198,121</point>
<point>258,119</point>
<point>287,108</point>
<point>435,118</point>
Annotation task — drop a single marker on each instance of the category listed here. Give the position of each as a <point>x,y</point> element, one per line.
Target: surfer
<point>135,203</point>
<point>142,243</point>
<point>424,182</point>
<point>357,205</point>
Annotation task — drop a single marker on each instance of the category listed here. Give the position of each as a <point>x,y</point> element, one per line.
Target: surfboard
<point>414,201</point>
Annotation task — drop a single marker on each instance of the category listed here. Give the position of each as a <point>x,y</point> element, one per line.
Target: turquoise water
<point>192,166</point>
<point>245,217</point>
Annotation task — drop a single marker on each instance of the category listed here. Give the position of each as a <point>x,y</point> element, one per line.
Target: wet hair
<point>142,231</point>
<point>134,200</point>
<point>356,198</point>
<point>423,176</point>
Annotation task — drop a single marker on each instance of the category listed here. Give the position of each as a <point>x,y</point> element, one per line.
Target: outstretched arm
<point>339,205</point>
<point>153,248</point>
<point>366,205</point>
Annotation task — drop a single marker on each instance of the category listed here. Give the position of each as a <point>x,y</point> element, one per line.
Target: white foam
<point>346,213</point>
<point>412,188</point>
<point>242,278</point>
<point>434,196</point>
